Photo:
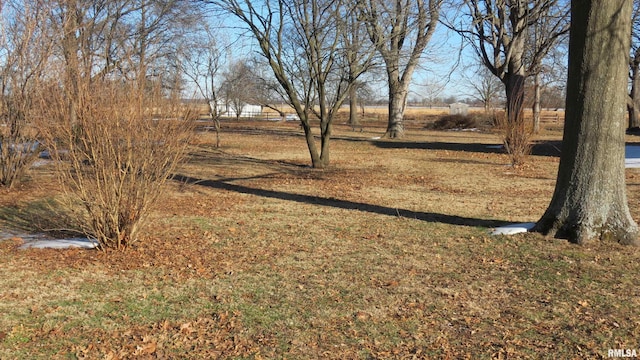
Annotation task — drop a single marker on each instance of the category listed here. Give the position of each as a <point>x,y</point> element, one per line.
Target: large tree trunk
<point>516,138</point>
<point>516,134</point>
<point>590,200</point>
<point>514,91</point>
<point>397,103</point>
<point>325,136</point>
<point>319,159</point>
<point>316,160</point>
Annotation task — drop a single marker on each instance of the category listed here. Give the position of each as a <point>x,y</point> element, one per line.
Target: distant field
<point>417,115</point>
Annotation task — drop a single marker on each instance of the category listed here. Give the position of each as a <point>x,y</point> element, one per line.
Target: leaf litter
<point>256,271</point>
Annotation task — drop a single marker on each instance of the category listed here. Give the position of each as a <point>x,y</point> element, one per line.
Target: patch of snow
<point>42,241</point>
<point>376,138</point>
<point>83,243</point>
<point>26,147</point>
<point>40,162</point>
<point>632,163</point>
<point>513,229</point>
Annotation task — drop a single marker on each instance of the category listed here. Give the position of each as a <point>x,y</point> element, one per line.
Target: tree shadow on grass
<point>539,148</point>
<point>39,217</point>
<point>205,156</point>
<point>224,184</point>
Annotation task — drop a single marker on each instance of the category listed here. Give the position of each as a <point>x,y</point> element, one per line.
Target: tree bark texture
<point>514,92</point>
<point>397,104</point>
<point>517,135</point>
<point>70,48</point>
<point>589,202</point>
<point>353,107</point>
<point>316,161</point>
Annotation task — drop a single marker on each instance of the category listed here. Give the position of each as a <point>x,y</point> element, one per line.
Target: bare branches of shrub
<point>516,135</point>
<point>453,122</point>
<point>24,48</point>
<point>114,159</point>
<point>483,121</point>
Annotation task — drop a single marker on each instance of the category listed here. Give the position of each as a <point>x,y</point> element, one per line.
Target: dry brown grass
<point>384,255</point>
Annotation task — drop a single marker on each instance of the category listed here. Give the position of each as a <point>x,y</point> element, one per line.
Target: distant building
<point>248,110</point>
<point>458,109</point>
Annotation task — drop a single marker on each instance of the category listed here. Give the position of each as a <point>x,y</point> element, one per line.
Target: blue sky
<point>439,75</point>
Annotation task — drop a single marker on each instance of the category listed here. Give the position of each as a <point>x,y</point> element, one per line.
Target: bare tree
<point>24,51</point>
<point>486,87</point>
<point>136,39</point>
<point>401,31</point>
<point>238,87</point>
<point>432,90</point>
<point>589,202</point>
<point>152,34</point>
<point>498,32</point>
<point>201,64</point>
<point>365,95</point>
<point>552,95</point>
<point>541,68</point>
<point>548,83</point>
<point>355,39</point>
<point>266,91</point>
<point>633,103</point>
<point>303,45</point>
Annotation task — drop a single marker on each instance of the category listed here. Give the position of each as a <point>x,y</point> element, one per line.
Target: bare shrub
<point>488,120</point>
<point>452,122</point>
<point>483,121</point>
<point>516,137</point>
<point>114,159</point>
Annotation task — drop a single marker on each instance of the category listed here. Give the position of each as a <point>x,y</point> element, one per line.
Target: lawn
<point>252,254</point>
